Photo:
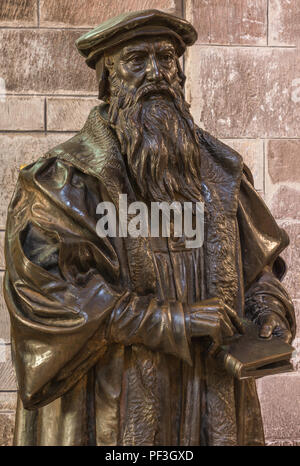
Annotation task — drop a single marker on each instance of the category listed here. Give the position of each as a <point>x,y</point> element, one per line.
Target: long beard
<point>158,136</point>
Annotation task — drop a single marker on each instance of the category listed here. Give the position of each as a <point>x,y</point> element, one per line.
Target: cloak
<point>100,336</point>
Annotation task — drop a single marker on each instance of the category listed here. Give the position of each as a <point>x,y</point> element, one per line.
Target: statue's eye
<point>165,57</point>
<point>137,59</point>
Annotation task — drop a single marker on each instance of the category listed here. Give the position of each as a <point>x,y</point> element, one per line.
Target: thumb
<point>267,327</point>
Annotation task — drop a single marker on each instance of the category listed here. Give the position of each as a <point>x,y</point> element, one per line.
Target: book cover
<point>249,355</point>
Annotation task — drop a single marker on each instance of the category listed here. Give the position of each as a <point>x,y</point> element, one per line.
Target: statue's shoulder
<point>90,150</point>
<point>95,136</point>
<point>224,155</point>
<point>45,163</point>
<point>219,152</point>
<point>93,155</point>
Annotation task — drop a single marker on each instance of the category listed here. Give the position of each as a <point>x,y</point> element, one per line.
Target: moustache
<point>154,89</point>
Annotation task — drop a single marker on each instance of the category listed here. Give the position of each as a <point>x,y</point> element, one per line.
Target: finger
<point>215,336</point>
<point>213,349</point>
<point>226,321</point>
<point>213,330</point>
<point>267,327</point>
<point>218,321</point>
<point>235,319</point>
<point>228,329</point>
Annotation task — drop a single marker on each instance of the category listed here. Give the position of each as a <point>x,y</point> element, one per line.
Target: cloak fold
<point>89,324</point>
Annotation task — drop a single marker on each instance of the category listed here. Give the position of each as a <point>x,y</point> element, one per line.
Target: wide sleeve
<point>65,289</point>
<point>267,294</point>
<point>262,241</point>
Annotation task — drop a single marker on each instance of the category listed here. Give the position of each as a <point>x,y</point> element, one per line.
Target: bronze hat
<point>133,24</point>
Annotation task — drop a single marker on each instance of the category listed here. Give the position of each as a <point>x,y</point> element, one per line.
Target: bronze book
<point>249,355</point>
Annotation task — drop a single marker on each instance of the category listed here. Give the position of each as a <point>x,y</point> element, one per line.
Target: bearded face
<point>152,121</point>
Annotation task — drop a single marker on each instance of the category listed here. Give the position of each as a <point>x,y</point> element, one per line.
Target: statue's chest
<point>178,269</point>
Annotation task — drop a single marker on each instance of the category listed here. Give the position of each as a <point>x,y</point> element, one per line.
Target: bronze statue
<point>114,338</point>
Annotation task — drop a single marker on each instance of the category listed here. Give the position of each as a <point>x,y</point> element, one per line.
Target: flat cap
<point>133,24</point>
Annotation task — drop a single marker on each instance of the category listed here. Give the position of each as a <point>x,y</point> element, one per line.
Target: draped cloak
<point>100,335</point>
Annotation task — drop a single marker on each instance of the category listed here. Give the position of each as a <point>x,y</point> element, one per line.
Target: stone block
<point>284,201</point>
<point>67,113</point>
<point>7,372</point>
<point>283,443</point>
<point>296,354</point>
<point>280,403</point>
<point>7,424</point>
<point>8,401</point>
<point>2,258</point>
<point>284,22</point>
<point>22,113</point>
<point>239,92</point>
<point>283,160</point>
<point>19,13</point>
<point>46,62</point>
<point>91,13</point>
<point>227,22</point>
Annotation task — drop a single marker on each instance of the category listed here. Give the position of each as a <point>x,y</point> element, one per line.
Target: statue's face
<point>145,60</point>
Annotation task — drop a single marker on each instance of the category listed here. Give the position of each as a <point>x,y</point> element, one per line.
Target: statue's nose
<point>153,70</point>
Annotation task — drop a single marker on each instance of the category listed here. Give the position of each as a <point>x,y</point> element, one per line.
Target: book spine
<point>232,365</point>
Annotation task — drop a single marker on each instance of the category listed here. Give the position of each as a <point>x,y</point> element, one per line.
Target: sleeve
<point>267,294</point>
<point>64,286</point>
<point>262,241</point>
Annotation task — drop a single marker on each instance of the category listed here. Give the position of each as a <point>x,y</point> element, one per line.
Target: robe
<point>101,342</point>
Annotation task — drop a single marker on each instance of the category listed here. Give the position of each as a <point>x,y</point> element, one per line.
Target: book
<point>250,355</point>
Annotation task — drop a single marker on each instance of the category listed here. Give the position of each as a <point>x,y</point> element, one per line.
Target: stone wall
<point>243,81</point>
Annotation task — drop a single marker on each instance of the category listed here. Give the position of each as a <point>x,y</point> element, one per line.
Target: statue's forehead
<point>147,44</point>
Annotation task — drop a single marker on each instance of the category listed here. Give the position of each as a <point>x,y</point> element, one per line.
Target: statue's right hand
<point>213,318</point>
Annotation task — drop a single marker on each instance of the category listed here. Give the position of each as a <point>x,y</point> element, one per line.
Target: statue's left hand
<point>272,324</point>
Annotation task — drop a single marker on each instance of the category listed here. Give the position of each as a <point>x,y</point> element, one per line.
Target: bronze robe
<point>100,336</point>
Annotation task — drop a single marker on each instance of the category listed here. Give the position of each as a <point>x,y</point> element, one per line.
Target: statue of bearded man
<point>114,337</point>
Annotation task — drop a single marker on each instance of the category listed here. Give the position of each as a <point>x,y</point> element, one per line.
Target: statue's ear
<point>102,77</point>
<point>181,74</point>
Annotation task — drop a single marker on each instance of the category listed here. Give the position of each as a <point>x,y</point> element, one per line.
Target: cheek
<point>128,75</point>
<point>174,71</point>
<point>171,73</point>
